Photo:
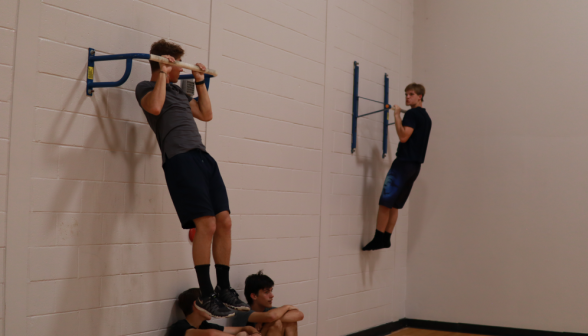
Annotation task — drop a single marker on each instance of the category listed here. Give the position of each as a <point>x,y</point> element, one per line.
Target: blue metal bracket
<point>90,84</point>
<point>386,107</point>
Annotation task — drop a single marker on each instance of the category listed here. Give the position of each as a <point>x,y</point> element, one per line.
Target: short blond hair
<point>419,89</point>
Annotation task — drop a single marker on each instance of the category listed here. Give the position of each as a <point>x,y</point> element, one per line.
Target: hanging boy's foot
<point>373,245</point>
<point>213,306</point>
<point>377,243</point>
<point>230,298</point>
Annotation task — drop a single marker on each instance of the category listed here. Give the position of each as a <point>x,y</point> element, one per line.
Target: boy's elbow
<point>154,111</point>
<point>404,139</point>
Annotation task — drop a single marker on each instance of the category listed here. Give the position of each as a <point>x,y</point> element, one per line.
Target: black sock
<point>203,274</point>
<point>222,276</point>
<point>387,239</point>
<point>376,243</point>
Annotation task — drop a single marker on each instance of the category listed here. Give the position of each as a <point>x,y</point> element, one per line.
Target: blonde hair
<point>419,89</point>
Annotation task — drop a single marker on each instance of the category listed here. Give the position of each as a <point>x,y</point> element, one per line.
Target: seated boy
<point>195,322</point>
<point>271,321</point>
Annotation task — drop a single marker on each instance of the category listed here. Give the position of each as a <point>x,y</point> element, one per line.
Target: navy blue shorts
<point>195,186</point>
<point>398,184</point>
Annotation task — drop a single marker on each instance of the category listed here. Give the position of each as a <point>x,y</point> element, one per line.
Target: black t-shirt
<point>179,328</point>
<point>415,148</point>
<point>174,127</point>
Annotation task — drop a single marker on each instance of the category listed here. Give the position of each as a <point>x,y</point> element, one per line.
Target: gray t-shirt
<point>174,128</point>
<point>241,318</point>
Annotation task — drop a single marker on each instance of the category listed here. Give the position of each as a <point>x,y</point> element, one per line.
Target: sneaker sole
<point>214,316</point>
<point>237,308</point>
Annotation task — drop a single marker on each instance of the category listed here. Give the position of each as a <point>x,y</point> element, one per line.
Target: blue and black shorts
<point>196,186</point>
<point>398,184</point>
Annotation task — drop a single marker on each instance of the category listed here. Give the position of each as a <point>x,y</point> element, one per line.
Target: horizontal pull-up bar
<point>90,84</point>
<point>184,65</point>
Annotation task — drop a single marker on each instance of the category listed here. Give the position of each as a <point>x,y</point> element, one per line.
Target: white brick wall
<point>8,40</point>
<point>365,289</point>
<point>106,252</point>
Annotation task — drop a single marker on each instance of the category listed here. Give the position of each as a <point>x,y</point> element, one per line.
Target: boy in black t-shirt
<point>413,132</point>
<point>196,320</point>
<point>269,320</point>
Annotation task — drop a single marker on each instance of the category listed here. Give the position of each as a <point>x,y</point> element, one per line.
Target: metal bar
<point>355,104</point>
<point>386,114</point>
<point>363,115</point>
<point>120,81</point>
<point>90,73</point>
<point>193,67</point>
<point>92,58</point>
<point>375,101</point>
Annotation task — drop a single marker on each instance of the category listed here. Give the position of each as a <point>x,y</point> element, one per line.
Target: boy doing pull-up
<point>413,132</point>
<point>192,175</point>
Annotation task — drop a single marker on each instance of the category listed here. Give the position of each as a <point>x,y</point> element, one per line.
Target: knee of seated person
<point>206,226</point>
<point>277,325</point>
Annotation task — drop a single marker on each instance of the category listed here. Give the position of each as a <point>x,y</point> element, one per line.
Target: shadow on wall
<point>374,172</point>
<point>104,135</point>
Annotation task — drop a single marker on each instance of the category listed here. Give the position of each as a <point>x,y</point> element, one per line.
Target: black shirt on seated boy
<point>196,323</point>
<point>269,320</point>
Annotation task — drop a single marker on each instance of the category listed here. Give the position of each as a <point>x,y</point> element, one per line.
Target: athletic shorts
<point>195,186</point>
<point>398,184</point>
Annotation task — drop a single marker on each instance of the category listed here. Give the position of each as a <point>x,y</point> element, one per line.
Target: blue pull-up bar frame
<point>92,58</point>
<point>356,115</point>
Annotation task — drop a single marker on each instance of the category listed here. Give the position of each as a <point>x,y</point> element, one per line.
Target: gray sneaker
<point>213,306</point>
<point>230,298</point>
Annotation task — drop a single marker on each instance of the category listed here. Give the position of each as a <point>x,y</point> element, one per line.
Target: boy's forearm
<point>156,98</point>
<point>204,101</point>
<point>278,313</point>
<point>292,316</point>
<point>398,125</point>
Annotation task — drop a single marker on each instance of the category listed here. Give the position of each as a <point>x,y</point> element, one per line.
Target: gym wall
<point>7,39</point>
<point>93,242</point>
<point>497,232</point>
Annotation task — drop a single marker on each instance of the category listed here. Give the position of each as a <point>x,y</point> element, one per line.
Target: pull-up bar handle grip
<point>184,65</point>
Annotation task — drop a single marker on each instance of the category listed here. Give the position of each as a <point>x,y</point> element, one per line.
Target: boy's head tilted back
<point>186,300</point>
<point>256,282</point>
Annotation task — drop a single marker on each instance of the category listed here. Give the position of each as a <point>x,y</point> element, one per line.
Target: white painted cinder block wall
<point>7,39</point>
<point>498,218</point>
<point>97,246</point>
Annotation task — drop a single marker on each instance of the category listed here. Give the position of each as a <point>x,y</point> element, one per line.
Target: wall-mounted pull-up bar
<point>355,116</point>
<point>90,84</point>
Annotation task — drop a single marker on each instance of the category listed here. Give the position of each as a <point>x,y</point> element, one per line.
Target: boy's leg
<point>221,252</point>
<point>275,328</point>
<point>221,245</point>
<point>291,329</point>
<point>205,230</point>
<point>385,216</point>
<point>392,221</point>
